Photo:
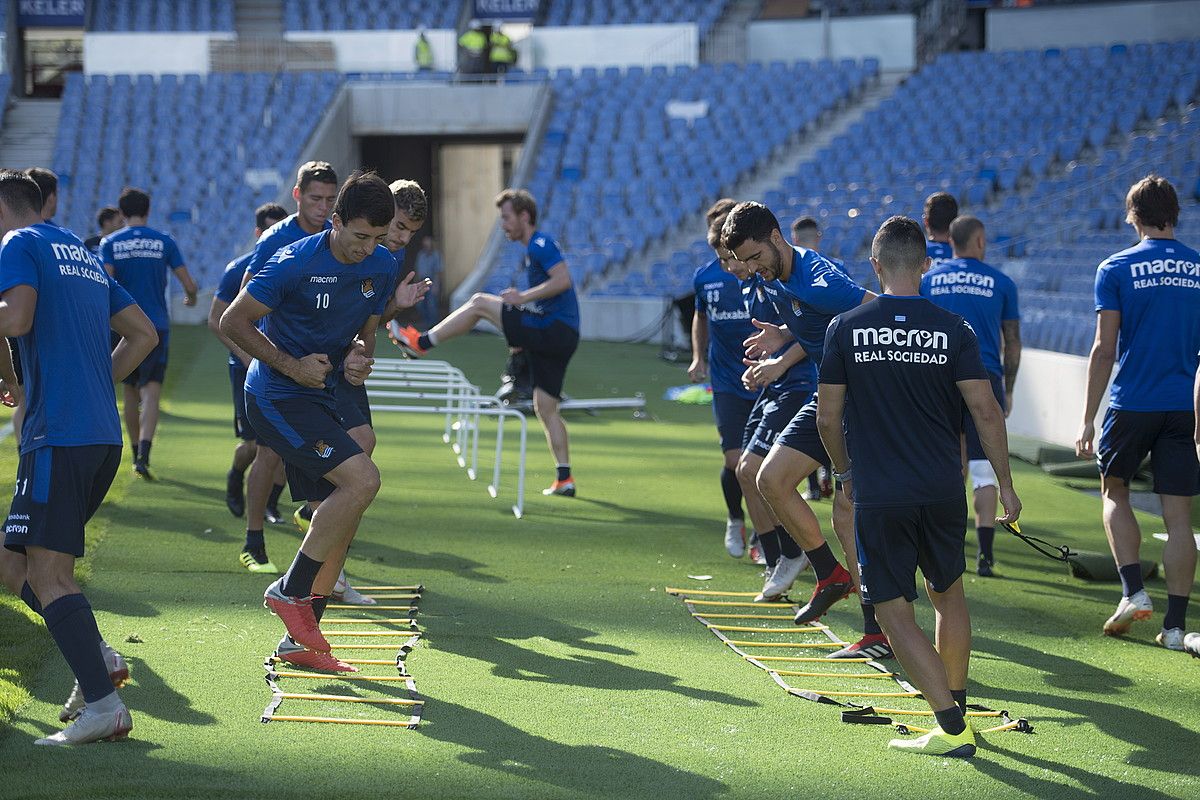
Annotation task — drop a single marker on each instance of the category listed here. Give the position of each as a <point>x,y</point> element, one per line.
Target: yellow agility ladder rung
<point>376,621</point>
<point>857,694</point>
<point>909,713</point>
<point>341,698</point>
<point>743,605</point>
<point>347,606</point>
<point>416,588</point>
<point>742,616</point>
<point>709,593</point>
<point>399,634</point>
<point>392,597</point>
<point>792,629</point>
<point>391,723</point>
<point>390,662</point>
<point>810,659</point>
<point>349,646</point>
<point>340,677</point>
<point>788,644</point>
<point>867,675</point>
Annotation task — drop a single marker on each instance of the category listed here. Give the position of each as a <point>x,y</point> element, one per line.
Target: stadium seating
<point>704,13</point>
<point>318,15</point>
<point>177,15</point>
<point>615,170</point>
<point>190,141</point>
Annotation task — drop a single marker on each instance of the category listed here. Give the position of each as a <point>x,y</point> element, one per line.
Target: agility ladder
<point>705,606</point>
<point>391,631</point>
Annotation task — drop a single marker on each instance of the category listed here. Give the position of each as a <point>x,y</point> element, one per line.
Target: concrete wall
<point>150,53</point>
<point>890,38</point>
<point>1048,400</point>
<point>611,45</point>
<point>383,51</point>
<point>429,109</point>
<point>1080,26</point>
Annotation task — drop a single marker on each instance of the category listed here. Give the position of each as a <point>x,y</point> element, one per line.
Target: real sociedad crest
<point>323,450</point>
<point>368,288</point>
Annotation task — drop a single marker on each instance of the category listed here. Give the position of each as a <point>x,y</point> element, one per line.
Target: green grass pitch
<point>554,664</point>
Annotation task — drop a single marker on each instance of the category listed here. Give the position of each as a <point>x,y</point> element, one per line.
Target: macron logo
<point>1170,266</point>
<point>901,337</point>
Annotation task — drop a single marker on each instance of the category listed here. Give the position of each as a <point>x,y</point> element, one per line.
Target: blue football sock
<point>255,541</point>
<point>30,598</point>
<point>787,545</point>
<point>769,542</point>
<point>299,579</point>
<point>1131,579</point>
<point>73,626</point>
<point>1176,611</point>
<point>870,625</point>
<point>951,720</point>
<point>823,561</point>
<point>986,536</point>
<point>318,606</point>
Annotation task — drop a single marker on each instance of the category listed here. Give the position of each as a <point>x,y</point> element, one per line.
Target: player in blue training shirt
<point>59,305</point>
<point>807,291</point>
<point>315,191</point>
<point>1148,322</point>
<point>140,257</point>
<point>322,297</point>
<point>353,405</point>
<point>719,326</point>
<point>987,299</point>
<point>940,210</point>
<point>230,284</point>
<point>894,378</point>
<point>543,320</point>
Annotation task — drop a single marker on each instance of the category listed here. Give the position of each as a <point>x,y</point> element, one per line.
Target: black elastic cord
<point>1054,552</point>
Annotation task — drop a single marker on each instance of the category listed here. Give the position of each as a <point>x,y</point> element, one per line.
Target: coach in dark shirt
<point>892,386</point>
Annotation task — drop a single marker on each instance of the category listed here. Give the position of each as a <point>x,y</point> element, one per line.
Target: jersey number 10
<point>323,301</point>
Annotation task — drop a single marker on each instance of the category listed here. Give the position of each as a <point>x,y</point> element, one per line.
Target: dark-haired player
<point>140,257</point>
<point>543,320</point>
<point>58,303</point>
<point>940,210</point>
<point>720,325</point>
<point>230,284</point>
<point>108,220</point>
<point>315,191</point>
<point>1148,323</point>
<point>894,378</point>
<point>320,297</point>
<point>987,299</point>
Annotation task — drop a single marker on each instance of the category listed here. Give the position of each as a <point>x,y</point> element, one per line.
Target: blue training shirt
<point>1156,286</point>
<point>801,376</point>
<point>541,256</point>
<point>67,355</point>
<point>141,257</point>
<point>900,359</point>
<point>229,286</point>
<point>318,305</point>
<point>274,238</point>
<point>719,299</point>
<point>815,292</point>
<point>982,295</point>
<point>938,252</point>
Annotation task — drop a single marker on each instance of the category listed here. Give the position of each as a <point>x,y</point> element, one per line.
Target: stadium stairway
<point>258,18</point>
<point>769,173</point>
<point>727,39</point>
<point>28,136</point>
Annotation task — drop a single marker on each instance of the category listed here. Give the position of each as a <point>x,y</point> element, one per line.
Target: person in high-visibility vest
<point>423,53</point>
<point>502,56</point>
<point>471,47</point>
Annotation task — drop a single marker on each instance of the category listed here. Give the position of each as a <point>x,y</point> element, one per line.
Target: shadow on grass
<point>393,557</point>
<point>496,745</point>
<point>515,662</point>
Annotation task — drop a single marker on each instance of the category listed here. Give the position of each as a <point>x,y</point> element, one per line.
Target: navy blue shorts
<point>777,414</point>
<point>974,446</point>
<point>308,436</point>
<point>1166,436</point>
<point>58,491</point>
<point>731,412</point>
<point>755,419</point>
<point>801,434</point>
<point>894,541</point>
<point>549,349</point>
<point>352,404</point>
<point>154,367</point>
<point>237,382</point>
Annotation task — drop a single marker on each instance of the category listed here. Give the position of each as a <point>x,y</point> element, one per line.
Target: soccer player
<point>230,284</point>
<point>315,192</point>
<point>321,297</point>
<point>354,407</point>
<point>60,305</point>
<point>720,325</point>
<point>807,291</point>
<point>940,210</point>
<point>108,220</point>
<point>1148,322</point>
<point>47,183</point>
<point>894,378</point>
<point>987,299</point>
<point>543,320</point>
<point>139,257</point>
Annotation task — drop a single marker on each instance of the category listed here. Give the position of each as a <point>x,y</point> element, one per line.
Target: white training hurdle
<point>445,391</point>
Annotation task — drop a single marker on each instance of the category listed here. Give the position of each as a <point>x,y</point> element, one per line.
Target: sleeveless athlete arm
<point>214,324</point>
<point>238,324</point>
<point>1010,331</point>
<point>989,422</point>
<point>1100,364</point>
<point>698,369</point>
<point>1196,404</point>
<point>138,338</point>
<point>831,407</point>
